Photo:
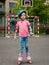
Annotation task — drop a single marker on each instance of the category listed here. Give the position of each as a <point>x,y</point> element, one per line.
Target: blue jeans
<point>24,43</point>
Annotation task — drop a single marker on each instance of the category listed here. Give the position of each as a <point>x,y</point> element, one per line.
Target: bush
<point>47,30</point>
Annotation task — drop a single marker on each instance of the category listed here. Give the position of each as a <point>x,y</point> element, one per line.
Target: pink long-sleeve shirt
<point>23,28</point>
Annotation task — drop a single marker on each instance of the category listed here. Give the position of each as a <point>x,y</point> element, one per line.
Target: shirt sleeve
<point>17,27</point>
<point>29,26</point>
<point>17,24</point>
<point>28,23</point>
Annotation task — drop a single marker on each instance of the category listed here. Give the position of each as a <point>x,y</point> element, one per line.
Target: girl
<point>22,26</point>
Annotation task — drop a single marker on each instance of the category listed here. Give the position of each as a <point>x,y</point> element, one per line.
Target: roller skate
<point>29,59</point>
<point>19,60</point>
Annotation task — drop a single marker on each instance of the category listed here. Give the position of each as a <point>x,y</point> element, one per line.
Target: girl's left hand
<point>31,33</point>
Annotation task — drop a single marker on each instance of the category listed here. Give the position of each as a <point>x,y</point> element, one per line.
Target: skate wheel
<point>19,62</point>
<point>30,61</point>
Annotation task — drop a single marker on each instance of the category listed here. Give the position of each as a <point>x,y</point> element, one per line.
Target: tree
<point>38,9</point>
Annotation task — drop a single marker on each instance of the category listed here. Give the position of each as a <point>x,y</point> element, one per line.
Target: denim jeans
<point>24,43</point>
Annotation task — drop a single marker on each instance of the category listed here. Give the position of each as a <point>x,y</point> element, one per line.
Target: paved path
<point>39,48</point>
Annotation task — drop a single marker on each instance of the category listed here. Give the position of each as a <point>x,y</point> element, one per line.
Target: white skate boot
<point>19,60</point>
<point>29,59</point>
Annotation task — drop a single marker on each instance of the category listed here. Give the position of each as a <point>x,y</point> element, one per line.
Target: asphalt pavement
<point>39,49</point>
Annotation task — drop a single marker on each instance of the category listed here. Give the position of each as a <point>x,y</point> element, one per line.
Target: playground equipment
<point>8,24</point>
<point>27,3</point>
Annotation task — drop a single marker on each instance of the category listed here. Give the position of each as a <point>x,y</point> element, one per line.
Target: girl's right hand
<point>15,37</point>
